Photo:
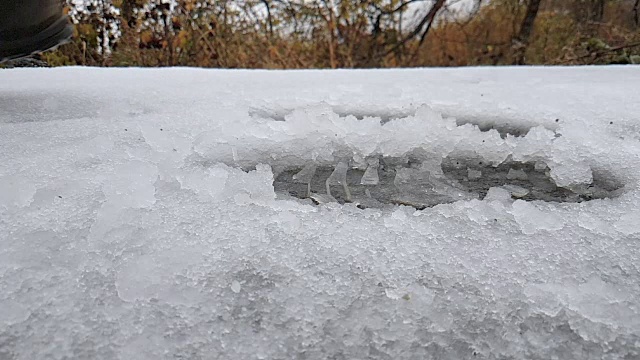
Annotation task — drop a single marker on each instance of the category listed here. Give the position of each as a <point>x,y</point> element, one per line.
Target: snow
<point>165,213</point>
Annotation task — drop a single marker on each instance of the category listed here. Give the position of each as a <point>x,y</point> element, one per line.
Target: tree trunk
<point>521,42</point>
<point>128,7</point>
<point>332,35</point>
<point>597,11</point>
<point>269,18</point>
<point>168,35</point>
<point>636,13</point>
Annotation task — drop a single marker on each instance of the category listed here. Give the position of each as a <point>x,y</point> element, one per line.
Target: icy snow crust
<point>139,220</point>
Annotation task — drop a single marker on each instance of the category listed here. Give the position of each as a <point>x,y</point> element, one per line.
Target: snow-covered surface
<point>129,229</point>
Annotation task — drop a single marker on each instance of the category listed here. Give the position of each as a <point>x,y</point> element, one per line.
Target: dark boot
<point>31,26</point>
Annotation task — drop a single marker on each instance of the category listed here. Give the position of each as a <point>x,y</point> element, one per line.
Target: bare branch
<point>426,20</point>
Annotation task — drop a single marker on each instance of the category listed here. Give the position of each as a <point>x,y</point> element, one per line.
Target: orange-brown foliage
<point>563,33</point>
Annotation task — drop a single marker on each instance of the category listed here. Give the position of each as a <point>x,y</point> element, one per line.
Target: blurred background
<point>296,34</point>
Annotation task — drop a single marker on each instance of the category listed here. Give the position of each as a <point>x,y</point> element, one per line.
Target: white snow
<point>139,218</point>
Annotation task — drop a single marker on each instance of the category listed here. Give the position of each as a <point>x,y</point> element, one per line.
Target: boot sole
<point>55,35</point>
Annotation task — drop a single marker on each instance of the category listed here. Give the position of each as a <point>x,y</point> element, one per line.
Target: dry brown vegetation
<point>280,34</point>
